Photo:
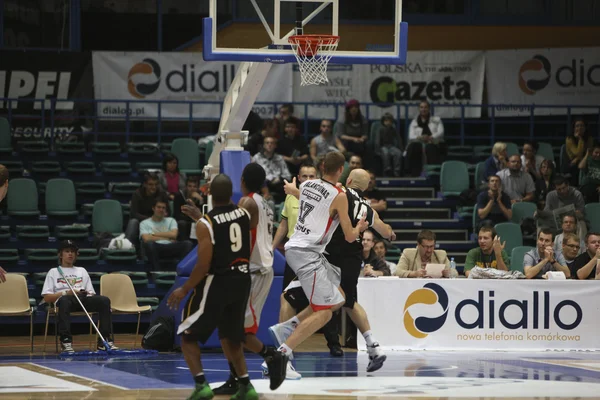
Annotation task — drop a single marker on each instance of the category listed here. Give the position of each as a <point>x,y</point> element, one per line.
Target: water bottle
<point>453,271</point>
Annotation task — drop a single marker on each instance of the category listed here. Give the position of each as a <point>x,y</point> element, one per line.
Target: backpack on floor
<point>160,334</point>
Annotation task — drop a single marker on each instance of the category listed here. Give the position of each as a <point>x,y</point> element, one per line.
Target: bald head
<point>221,189</point>
<point>358,179</point>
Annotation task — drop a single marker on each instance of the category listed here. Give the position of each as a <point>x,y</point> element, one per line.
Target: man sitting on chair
<point>57,291</point>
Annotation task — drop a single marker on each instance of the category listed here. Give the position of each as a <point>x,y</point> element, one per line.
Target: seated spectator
<point>292,146</point>
<point>577,145</point>
<point>570,250</point>
<point>275,167</point>
<point>569,226</point>
<point>565,195</point>
<point>353,130</point>
<point>543,259</point>
<point>375,196</point>
<point>426,140</point>
<point>412,262</point>
<point>590,165</point>
<point>516,183</point>
<point>170,179</point>
<point>373,265</point>
<point>286,111</point>
<point>142,201</point>
<point>380,250</point>
<point>326,141</point>
<point>355,161</point>
<point>545,183</point>
<point>159,236</point>
<point>388,145</point>
<point>184,223</point>
<point>493,205</point>
<point>56,291</point>
<point>530,160</point>
<point>497,161</point>
<point>489,254</point>
<point>584,265</point>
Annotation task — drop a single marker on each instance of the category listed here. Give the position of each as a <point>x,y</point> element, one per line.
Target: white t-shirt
<point>77,276</point>
<point>149,226</point>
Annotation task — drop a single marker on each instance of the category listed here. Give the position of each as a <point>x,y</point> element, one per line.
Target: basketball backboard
<point>281,19</point>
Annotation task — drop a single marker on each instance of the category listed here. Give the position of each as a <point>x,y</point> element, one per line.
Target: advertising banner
<point>145,79</point>
<point>469,314</point>
<point>543,76</point>
<point>63,77</point>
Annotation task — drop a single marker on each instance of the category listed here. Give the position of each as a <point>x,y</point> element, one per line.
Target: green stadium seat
<point>141,167</point>
<point>90,188</point>
<point>40,277</point>
<point>522,210</point>
<point>70,148</point>
<point>164,278</point>
<point>88,255</point>
<point>142,149</point>
<point>137,278</point>
<point>81,167</point>
<point>106,148</point>
<point>511,149</point>
<point>34,147</point>
<point>454,178</point>
<point>60,198</point>
<point>73,232</point>
<point>15,168</point>
<point>95,277</point>
<point>517,256</point>
<point>4,232</point>
<point>124,188</point>
<point>510,233</point>
<point>22,198</point>
<point>107,216</point>
<point>119,255</point>
<point>592,212</point>
<point>42,255</point>
<point>33,232</point>
<point>9,256</point>
<point>478,177</point>
<point>545,150</point>
<point>188,155</point>
<point>115,167</point>
<point>46,167</point>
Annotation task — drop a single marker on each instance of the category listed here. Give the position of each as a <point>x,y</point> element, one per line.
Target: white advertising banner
<point>446,77</point>
<point>172,77</point>
<point>544,76</point>
<point>472,314</point>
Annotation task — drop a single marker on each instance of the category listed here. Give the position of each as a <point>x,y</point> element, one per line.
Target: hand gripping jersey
<point>315,225</point>
<point>261,257</point>
<point>358,207</point>
<point>229,228</point>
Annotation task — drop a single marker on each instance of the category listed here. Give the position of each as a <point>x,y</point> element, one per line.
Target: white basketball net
<point>313,53</point>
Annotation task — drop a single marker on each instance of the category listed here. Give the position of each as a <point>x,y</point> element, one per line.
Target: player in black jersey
<point>221,286</point>
<point>348,257</point>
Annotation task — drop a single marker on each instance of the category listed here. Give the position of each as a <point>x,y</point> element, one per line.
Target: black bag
<point>160,335</point>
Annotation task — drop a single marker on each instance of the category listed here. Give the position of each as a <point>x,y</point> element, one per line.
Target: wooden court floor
<point>406,375</point>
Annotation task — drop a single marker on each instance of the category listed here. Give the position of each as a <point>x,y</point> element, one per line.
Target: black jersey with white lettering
<point>357,208</point>
<point>229,228</point>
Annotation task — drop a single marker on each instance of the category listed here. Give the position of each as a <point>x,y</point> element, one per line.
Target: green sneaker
<point>245,392</point>
<point>202,392</point>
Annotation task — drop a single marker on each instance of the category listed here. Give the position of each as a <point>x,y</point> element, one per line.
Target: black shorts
<point>296,296</point>
<point>218,302</point>
<point>350,267</point>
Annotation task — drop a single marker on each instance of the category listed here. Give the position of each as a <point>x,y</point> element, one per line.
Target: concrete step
<point>433,224</point>
<point>418,213</point>
<point>441,234</point>
<point>408,193</point>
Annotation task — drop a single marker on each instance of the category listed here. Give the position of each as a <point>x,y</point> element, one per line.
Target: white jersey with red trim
<point>315,226</point>
<point>261,258</point>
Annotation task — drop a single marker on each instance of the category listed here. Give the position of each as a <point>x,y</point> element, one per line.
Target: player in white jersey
<point>261,264</point>
<point>323,206</point>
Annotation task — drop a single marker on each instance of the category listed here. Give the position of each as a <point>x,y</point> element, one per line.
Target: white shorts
<point>261,285</point>
<point>319,279</point>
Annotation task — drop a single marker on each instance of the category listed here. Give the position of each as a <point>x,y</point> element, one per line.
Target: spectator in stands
<point>543,259</point>
<point>489,254</point>
<point>289,216</point>
<point>255,142</point>
<point>516,183</point>
<point>373,265</point>
<point>388,145</point>
<point>355,161</point>
<point>159,236</point>
<point>3,191</point>
<point>56,291</point>
<point>565,195</point>
<point>286,111</point>
<point>292,146</point>
<point>254,124</point>
<point>142,202</point>
<point>171,180</point>
<point>184,223</point>
<point>274,166</point>
<point>426,140</point>
<point>376,196</point>
<point>326,141</point>
<point>584,265</point>
<point>569,226</point>
<point>354,129</point>
<point>493,205</point>
<point>412,262</point>
<point>497,161</point>
<point>530,160</point>
<point>380,250</point>
<point>545,183</point>
<point>577,145</point>
<point>590,165</point>
<point>571,245</point>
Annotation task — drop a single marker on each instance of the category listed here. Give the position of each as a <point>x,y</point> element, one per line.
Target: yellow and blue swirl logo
<point>148,67</point>
<point>420,326</point>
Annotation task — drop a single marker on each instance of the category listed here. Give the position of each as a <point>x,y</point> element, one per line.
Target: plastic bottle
<point>452,268</point>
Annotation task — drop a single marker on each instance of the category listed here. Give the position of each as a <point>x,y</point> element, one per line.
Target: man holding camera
<point>493,205</point>
<point>57,291</point>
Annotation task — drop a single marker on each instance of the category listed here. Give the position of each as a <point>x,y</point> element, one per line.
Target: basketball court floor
<point>405,375</point>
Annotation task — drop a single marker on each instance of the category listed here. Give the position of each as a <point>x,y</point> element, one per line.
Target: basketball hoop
<point>313,53</point>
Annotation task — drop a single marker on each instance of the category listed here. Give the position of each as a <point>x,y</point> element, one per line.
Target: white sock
<point>294,321</point>
<point>200,374</point>
<point>369,338</point>
<point>285,349</point>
